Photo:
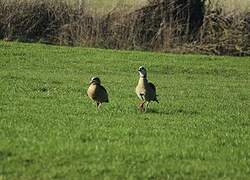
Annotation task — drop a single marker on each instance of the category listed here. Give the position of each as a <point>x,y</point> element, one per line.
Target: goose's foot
<point>141,106</point>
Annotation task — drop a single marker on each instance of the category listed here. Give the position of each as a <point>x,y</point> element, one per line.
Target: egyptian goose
<point>97,92</point>
<point>145,90</point>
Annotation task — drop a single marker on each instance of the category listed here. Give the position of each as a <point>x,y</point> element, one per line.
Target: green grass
<point>50,129</point>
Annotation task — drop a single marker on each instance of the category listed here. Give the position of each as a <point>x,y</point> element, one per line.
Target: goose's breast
<point>140,89</point>
<point>91,91</point>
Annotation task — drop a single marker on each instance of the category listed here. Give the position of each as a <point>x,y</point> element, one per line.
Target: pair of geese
<point>145,90</point>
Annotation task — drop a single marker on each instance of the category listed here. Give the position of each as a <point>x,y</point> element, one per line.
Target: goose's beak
<point>90,82</point>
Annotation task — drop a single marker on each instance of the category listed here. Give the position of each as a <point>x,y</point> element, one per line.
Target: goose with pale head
<point>145,90</point>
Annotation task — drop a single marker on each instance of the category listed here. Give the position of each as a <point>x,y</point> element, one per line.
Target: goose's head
<point>142,72</point>
<point>95,80</point>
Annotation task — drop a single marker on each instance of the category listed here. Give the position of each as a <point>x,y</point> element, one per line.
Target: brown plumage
<point>97,92</point>
<point>145,90</point>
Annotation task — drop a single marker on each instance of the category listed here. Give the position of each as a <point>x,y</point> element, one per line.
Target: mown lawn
<point>50,129</point>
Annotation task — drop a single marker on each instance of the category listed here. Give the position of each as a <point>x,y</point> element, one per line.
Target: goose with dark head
<point>97,92</point>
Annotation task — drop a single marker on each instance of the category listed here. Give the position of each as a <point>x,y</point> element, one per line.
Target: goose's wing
<point>103,89</point>
<point>104,94</point>
<point>152,86</point>
<point>153,91</point>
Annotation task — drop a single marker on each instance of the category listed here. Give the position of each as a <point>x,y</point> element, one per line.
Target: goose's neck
<point>143,80</point>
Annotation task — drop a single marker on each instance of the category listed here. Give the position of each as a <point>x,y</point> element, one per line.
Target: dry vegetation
<point>227,5</point>
<point>232,5</point>
<point>179,25</point>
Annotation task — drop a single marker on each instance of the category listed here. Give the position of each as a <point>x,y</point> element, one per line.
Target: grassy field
<point>50,129</point>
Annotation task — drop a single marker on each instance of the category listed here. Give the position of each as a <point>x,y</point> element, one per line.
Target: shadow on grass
<point>173,112</point>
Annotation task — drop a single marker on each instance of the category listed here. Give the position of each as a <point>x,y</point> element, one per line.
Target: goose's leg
<point>145,108</point>
<point>142,108</point>
<point>147,104</point>
<point>98,105</point>
<point>140,104</point>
